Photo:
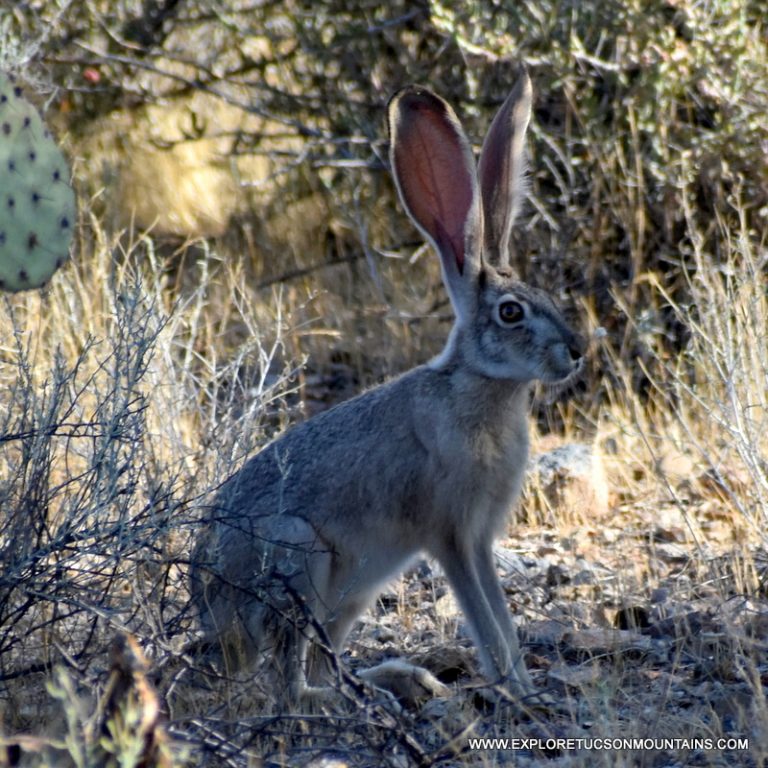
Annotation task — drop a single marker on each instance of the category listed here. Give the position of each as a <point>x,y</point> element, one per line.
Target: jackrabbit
<point>307,533</point>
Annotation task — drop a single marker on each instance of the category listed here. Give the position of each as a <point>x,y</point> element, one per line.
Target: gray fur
<point>305,535</point>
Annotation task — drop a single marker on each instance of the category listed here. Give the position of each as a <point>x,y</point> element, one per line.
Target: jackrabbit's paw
<point>409,684</point>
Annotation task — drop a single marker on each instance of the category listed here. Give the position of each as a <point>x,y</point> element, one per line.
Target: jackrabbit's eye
<point>511,312</point>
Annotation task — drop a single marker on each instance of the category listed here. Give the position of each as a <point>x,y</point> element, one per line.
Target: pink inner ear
<point>434,179</point>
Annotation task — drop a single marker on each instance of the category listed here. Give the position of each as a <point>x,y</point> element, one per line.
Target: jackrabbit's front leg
<point>519,681</point>
<point>461,568</point>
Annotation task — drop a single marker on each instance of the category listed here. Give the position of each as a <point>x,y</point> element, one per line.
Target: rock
<point>681,626</point>
<point>509,562</point>
<point>676,467</point>
<point>567,481</point>
<point>446,606</point>
<point>546,632</point>
<point>600,642</point>
<point>580,676</point>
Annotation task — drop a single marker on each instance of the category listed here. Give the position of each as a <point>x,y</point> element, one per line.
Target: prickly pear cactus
<point>37,203</point>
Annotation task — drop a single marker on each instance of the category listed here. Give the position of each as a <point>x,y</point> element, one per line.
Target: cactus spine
<point>37,203</point>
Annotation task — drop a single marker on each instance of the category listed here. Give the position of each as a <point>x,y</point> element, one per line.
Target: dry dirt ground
<point>637,630</point>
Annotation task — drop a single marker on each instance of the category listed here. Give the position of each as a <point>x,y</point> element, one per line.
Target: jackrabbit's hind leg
<point>232,622</point>
<point>324,673</point>
<point>299,585</point>
<point>291,657</point>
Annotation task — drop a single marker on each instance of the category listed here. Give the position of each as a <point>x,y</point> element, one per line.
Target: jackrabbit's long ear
<point>435,173</point>
<point>501,171</point>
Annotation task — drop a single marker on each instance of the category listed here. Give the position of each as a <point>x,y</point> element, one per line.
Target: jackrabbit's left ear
<point>502,171</point>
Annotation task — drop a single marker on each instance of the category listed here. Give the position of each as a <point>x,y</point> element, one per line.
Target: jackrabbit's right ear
<point>502,170</point>
<point>434,170</point>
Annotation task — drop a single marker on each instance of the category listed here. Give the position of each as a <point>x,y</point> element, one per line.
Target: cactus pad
<point>37,203</point>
